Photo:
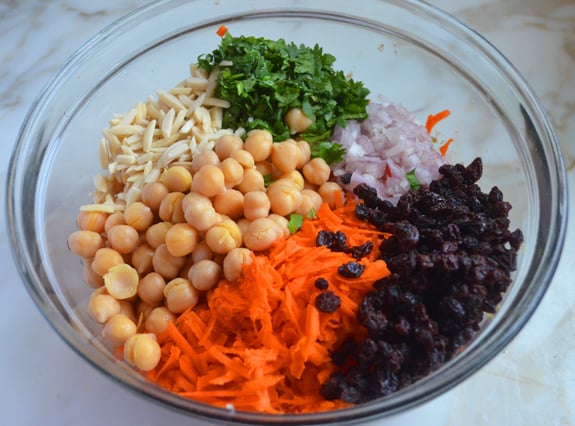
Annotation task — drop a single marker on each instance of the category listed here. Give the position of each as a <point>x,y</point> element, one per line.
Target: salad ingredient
<point>118,329</point>
<point>142,351</point>
<point>269,82</point>
<point>102,306</point>
<point>180,295</point>
<point>317,171</point>
<point>433,119</point>
<point>85,243</point>
<point>151,289</point>
<point>121,281</point>
<point>104,259</point>
<point>259,143</point>
<point>123,238</point>
<point>390,144</point>
<point>443,148</point>
<point>181,239</point>
<point>327,302</point>
<point>94,221</point>
<point>176,179</point>
<point>259,342</point>
<point>321,283</point>
<point>451,254</point>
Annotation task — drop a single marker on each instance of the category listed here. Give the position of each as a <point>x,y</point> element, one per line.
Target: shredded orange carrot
<point>261,344</point>
<point>443,148</point>
<point>388,171</point>
<point>222,30</point>
<point>433,119</point>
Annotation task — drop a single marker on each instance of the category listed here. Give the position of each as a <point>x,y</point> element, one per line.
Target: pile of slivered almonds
<point>138,145</point>
<point>181,205</point>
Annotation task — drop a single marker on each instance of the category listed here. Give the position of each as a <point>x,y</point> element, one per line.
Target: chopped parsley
<point>295,222</point>
<point>266,78</point>
<point>413,182</point>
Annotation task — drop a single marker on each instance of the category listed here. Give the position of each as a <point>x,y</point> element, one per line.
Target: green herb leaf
<point>269,77</point>
<point>295,222</point>
<point>413,182</point>
<point>268,180</point>
<point>312,214</point>
<point>330,152</point>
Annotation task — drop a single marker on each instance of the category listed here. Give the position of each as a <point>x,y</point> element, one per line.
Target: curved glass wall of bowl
<point>404,51</point>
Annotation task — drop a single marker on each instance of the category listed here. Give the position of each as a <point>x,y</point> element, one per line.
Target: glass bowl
<point>406,51</point>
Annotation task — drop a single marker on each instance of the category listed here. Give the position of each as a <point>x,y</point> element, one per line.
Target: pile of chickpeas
<point>193,227</point>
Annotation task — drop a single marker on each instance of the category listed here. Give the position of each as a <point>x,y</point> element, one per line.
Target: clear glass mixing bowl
<point>404,50</point>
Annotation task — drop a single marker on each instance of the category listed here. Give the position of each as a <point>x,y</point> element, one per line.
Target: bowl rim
<point>401,400</point>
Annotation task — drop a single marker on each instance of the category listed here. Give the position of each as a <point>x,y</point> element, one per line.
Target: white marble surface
<point>532,382</point>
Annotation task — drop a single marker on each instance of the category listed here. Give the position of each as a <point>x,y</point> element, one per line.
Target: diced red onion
<point>389,138</point>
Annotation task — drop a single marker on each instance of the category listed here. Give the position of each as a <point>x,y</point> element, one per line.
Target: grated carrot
<point>261,344</point>
<point>433,119</point>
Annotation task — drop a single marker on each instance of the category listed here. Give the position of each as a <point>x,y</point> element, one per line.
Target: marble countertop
<point>532,382</point>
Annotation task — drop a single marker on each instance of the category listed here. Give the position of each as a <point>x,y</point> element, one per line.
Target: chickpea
<point>259,144</point>
<point>85,243</point>
<point>265,168</point>
<point>142,351</point>
<point>102,307</point>
<point>297,121</point>
<point>92,279</point>
<point>158,319</point>
<point>123,238</point>
<point>244,158</point>
<point>92,221</point>
<point>309,200</point>
<point>116,218</point>
<point>251,181</point>
<point>104,259</point>
<point>151,289</point>
<point>143,310</point>
<point>305,149</point>
<point>234,262</point>
<point>227,144</point>
<point>138,216</point>
<point>171,208</point>
<point>284,197</point>
<point>205,274</point>
<point>243,224</point>
<point>233,172</point>
<point>224,236</point>
<point>256,205</point>
<point>165,264</point>
<point>180,295</point>
<point>156,234</point>
<point>181,239</point>
<point>177,179</point>
<point>261,234</point>
<point>328,192</point>
<point>209,181</point>
<point>127,308</point>
<point>201,215</point>
<point>202,251</point>
<point>203,158</point>
<point>230,203</point>
<point>282,224</point>
<point>153,193</point>
<point>295,177</point>
<point>286,155</point>
<point>121,281</point>
<point>142,258</point>
<point>194,198</point>
<point>118,329</point>
<point>317,171</point>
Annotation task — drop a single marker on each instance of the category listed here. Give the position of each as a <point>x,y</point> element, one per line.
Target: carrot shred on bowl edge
<point>433,119</point>
<point>260,344</point>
